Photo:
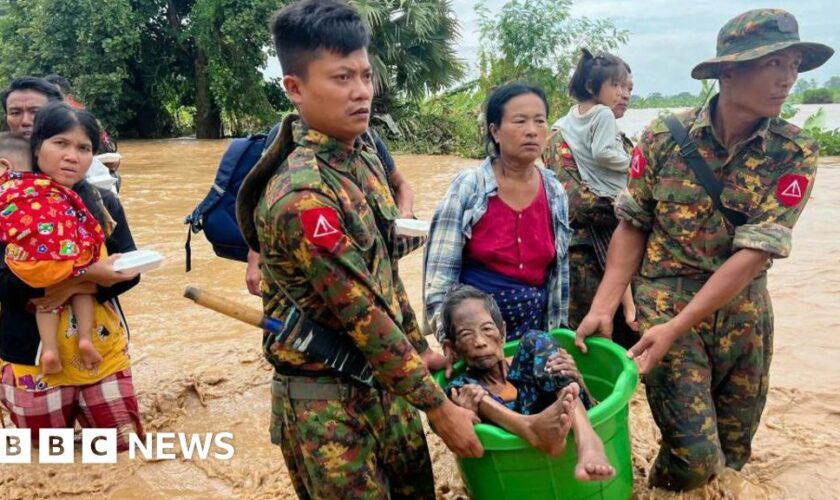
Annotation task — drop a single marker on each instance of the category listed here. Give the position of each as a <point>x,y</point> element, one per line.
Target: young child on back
<point>590,127</point>
<point>591,131</point>
<point>49,236</point>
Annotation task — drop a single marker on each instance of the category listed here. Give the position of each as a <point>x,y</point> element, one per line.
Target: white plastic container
<point>100,176</point>
<point>412,227</point>
<point>138,261</point>
<point>109,157</point>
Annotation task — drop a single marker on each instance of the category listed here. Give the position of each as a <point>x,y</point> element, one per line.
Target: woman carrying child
<point>49,237</point>
<point>100,394</point>
<point>592,158</point>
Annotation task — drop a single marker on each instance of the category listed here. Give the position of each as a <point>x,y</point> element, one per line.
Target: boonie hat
<point>757,33</point>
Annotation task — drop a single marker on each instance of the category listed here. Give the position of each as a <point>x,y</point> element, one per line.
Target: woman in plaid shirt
<point>503,227</point>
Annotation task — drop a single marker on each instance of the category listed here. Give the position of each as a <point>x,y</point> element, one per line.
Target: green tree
<point>539,41</point>
<point>412,47</point>
<point>152,67</point>
<point>804,84</point>
<point>214,49</point>
<point>90,43</point>
<point>817,96</point>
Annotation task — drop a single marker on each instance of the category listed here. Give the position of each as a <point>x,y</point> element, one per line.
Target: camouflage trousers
<point>369,444</point>
<point>585,275</point>
<point>708,393</point>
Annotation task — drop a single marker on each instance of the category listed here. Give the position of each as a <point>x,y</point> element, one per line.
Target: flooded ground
<point>196,371</point>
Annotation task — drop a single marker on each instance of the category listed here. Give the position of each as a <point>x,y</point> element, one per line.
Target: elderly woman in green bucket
<point>538,397</point>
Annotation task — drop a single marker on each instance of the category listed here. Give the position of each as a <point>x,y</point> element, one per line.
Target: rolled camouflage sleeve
<point>636,203</point>
<point>338,273</point>
<point>769,227</point>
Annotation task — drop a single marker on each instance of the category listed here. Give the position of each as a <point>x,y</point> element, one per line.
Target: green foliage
<point>804,84</point>
<point>657,100</point>
<point>829,140</point>
<point>708,89</point>
<point>411,48</point>
<point>443,124</point>
<point>815,122</point>
<point>153,67</point>
<point>90,43</point>
<point>788,110</point>
<point>538,41</point>
<point>231,34</point>
<point>817,96</point>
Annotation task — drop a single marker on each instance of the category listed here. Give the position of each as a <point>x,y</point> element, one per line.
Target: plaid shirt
<point>461,208</point>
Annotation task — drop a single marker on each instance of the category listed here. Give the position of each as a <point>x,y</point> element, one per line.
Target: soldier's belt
<point>307,389</point>
<point>694,284</point>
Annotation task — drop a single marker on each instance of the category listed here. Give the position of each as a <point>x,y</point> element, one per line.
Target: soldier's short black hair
<point>457,296</point>
<point>15,149</point>
<point>31,83</point>
<point>592,71</point>
<point>494,108</point>
<point>304,28</point>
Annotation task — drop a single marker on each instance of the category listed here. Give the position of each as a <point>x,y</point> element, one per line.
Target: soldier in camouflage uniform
<point>318,209</point>
<point>701,286</point>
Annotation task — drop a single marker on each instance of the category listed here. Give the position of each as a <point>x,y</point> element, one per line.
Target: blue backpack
<point>216,214</point>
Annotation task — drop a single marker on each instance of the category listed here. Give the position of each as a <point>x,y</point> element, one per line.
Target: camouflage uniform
<point>325,228</point>
<point>586,210</point>
<point>708,393</point>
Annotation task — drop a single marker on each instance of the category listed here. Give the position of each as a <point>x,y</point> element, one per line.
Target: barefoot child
<point>538,397</point>
<point>591,131</point>
<point>49,236</point>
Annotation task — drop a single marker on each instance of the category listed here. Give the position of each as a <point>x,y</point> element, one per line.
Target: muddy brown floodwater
<point>196,371</point>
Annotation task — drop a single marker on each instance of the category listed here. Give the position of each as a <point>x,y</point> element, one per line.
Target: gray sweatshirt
<point>596,144</point>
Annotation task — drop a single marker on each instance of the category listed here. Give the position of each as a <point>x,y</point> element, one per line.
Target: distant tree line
<point>805,91</point>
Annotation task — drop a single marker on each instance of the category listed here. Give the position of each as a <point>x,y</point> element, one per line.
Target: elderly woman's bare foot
<point>548,429</point>
<point>90,357</point>
<point>593,464</point>
<point>50,362</point>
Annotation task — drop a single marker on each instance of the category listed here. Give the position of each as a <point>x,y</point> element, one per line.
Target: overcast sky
<point>669,37</point>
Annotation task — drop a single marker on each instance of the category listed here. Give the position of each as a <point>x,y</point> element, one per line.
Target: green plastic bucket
<point>511,468</point>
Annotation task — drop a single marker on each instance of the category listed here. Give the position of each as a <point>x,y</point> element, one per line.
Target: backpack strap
<point>254,184</point>
<point>704,174</point>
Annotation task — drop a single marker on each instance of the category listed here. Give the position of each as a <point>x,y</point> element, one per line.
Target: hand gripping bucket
<point>512,469</point>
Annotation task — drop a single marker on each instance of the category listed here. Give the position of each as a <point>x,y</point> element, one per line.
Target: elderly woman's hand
<point>102,272</point>
<point>468,396</point>
<point>562,363</point>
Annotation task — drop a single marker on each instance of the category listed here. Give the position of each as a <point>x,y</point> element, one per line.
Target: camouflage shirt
<point>586,209</point>
<point>768,177</point>
<point>326,232</point>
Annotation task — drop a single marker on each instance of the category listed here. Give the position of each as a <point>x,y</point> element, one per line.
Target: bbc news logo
<point>99,446</point>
